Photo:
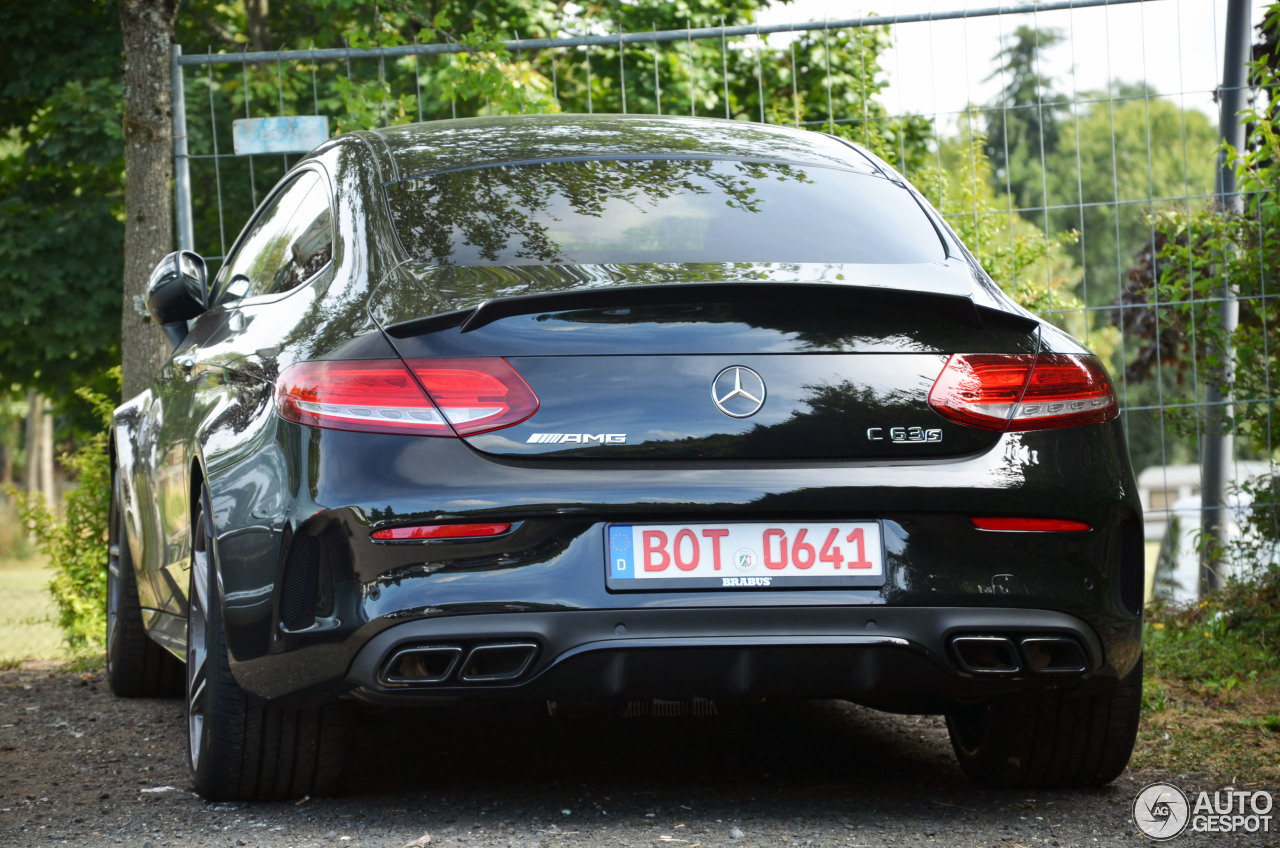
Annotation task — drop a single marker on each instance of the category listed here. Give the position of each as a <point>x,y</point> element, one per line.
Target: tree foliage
<point>61,177</point>
<point>1023,126</point>
<point>75,539</point>
<point>1130,154</point>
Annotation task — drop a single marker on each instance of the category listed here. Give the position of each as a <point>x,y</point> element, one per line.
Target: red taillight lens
<point>1018,392</point>
<point>1065,391</point>
<point>980,389</point>
<point>476,395</point>
<point>439,531</point>
<point>383,396</point>
<point>378,395</point>
<point>1030,525</point>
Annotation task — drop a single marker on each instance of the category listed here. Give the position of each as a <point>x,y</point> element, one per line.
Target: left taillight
<point>425,397</point>
<point>1011,393</point>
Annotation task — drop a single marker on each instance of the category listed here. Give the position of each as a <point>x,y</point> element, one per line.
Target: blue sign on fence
<point>297,134</point>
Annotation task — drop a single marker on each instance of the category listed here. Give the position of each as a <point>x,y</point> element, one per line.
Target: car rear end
<point>754,461</point>
<point>931,502</point>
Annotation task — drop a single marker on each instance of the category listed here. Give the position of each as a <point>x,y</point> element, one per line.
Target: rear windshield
<point>659,210</point>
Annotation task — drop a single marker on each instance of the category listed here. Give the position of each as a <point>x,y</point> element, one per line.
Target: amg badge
<point>577,439</point>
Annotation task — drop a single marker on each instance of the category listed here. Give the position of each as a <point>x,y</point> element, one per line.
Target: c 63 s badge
<point>904,435</point>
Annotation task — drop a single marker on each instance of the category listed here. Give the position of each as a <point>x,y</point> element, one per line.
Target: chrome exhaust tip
<point>1053,655</point>
<point>986,655</point>
<point>498,663</point>
<point>420,665</point>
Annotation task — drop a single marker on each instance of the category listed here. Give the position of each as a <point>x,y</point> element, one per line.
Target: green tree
<point>1102,171</point>
<point>1023,124</point>
<point>1131,155</point>
<point>61,199</point>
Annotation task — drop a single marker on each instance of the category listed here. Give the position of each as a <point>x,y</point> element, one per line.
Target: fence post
<point>181,163</point>
<point>1218,450</point>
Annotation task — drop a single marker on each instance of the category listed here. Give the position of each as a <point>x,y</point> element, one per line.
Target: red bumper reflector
<point>439,531</point>
<point>1030,525</point>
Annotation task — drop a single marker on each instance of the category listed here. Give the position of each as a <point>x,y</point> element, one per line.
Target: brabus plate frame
<point>752,556</point>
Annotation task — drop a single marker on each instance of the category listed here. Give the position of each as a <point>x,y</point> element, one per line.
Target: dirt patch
<point>80,767</point>
<point>1236,736</point>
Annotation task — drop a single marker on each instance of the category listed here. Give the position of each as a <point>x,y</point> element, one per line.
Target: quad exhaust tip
<point>426,665</point>
<point>1054,655</point>
<point>986,655</point>
<point>497,663</point>
<point>421,664</point>
<point>997,655</point>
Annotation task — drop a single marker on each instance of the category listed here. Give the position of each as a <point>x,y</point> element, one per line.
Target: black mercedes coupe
<point>631,411</point>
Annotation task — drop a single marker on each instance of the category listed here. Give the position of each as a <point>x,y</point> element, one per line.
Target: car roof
<point>419,149</point>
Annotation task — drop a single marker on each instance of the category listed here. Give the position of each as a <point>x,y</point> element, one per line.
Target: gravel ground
<point>80,767</point>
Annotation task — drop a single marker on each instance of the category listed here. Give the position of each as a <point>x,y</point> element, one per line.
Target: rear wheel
<point>1049,740</point>
<point>136,666</point>
<point>240,747</point>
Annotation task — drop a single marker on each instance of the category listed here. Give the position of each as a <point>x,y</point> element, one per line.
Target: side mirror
<point>176,292</point>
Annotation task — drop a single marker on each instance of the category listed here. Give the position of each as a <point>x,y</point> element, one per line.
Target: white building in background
<point>1171,510</point>
<point>1160,487</point>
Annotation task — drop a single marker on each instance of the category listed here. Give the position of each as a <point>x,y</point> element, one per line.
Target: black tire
<point>1049,740</point>
<point>240,747</point>
<point>136,666</point>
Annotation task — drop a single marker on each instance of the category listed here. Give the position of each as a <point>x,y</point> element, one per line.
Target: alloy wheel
<point>197,646</point>
<point>114,536</point>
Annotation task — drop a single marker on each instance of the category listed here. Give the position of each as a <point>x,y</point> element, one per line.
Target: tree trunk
<point>147,26</point>
<point>259,27</point>
<point>31,468</point>
<point>47,486</point>
<point>6,467</point>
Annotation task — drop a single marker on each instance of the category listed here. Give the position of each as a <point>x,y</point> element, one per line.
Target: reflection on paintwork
<point>813,409</point>
<point>583,211</point>
<point>457,144</point>
<point>466,286</point>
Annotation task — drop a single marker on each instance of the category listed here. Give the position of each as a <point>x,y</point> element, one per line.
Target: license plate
<point>653,557</point>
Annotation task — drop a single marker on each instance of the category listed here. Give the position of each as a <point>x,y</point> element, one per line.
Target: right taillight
<point>1015,392</point>
<point>462,396</point>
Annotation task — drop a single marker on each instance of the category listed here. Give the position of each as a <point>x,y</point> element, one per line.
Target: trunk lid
<point>731,369</point>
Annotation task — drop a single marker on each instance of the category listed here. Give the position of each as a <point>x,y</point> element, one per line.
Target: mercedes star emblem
<point>738,392</point>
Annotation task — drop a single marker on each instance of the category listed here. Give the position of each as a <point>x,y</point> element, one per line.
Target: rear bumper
<point>891,658</point>
<point>314,606</point>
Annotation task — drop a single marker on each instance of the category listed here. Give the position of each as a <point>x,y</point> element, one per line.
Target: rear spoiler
<point>830,296</point>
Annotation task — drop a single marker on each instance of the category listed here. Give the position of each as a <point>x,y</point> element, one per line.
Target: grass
<point>1211,699</point>
<point>27,625</point>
